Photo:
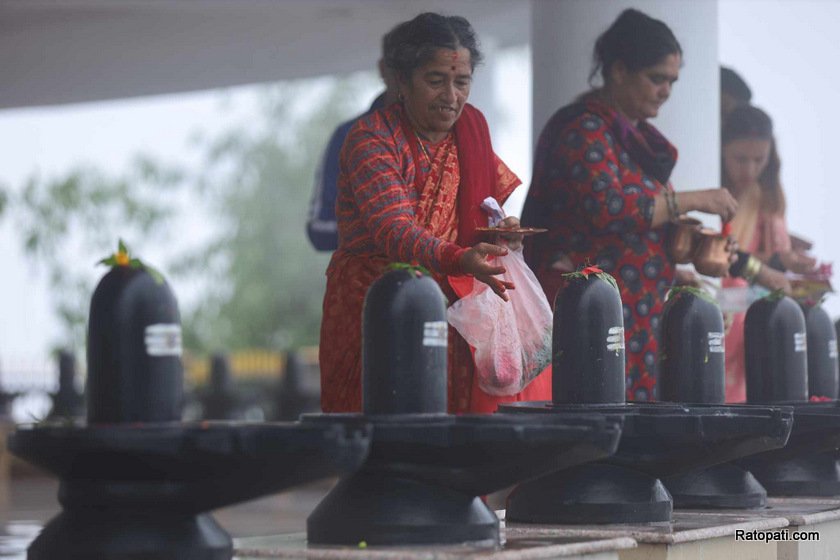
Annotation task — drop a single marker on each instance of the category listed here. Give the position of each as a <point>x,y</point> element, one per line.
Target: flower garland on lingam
<point>123,258</point>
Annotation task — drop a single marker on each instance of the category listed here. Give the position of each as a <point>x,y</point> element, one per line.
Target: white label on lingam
<point>615,339</point>
<point>163,339</point>
<point>832,348</point>
<point>716,342</point>
<point>800,343</point>
<point>435,333</point>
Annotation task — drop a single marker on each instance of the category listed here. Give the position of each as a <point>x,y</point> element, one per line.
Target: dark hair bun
<point>637,40</point>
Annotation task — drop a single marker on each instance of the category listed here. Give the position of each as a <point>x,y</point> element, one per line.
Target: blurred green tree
<point>230,230</point>
<point>82,213</point>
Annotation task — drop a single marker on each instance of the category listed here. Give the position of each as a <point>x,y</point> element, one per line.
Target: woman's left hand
<point>772,279</point>
<point>512,241</point>
<point>797,262</point>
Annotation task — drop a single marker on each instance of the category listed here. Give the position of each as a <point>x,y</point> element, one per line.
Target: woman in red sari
<point>412,177</point>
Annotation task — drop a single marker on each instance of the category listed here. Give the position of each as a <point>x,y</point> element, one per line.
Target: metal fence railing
<point>263,384</point>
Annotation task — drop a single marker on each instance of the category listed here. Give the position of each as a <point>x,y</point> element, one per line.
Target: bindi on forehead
<point>451,61</point>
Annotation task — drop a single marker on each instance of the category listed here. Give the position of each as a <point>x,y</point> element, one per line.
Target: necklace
<point>423,149</point>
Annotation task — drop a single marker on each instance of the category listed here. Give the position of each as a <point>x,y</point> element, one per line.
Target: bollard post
<point>68,401</point>
<point>220,401</point>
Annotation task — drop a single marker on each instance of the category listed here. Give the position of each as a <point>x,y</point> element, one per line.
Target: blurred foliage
<point>267,281</point>
<point>254,280</point>
<point>83,212</point>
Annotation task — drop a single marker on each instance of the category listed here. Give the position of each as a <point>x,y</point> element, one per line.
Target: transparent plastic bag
<point>511,341</point>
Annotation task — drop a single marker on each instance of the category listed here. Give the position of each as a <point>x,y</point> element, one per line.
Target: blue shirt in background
<point>321,226</point>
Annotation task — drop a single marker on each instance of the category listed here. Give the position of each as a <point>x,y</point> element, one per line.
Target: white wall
<point>788,52</point>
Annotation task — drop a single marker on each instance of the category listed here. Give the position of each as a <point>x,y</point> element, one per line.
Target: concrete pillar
<point>563,34</point>
<point>484,94</point>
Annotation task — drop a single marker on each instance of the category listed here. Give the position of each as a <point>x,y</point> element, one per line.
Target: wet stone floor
<point>31,501</point>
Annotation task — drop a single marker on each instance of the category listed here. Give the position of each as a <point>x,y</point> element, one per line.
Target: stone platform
<point>516,547</point>
<point>692,535</point>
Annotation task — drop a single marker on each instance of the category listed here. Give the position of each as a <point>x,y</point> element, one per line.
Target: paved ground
<point>31,502</point>
<point>33,499</point>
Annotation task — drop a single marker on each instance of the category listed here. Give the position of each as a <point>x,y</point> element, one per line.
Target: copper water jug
<point>685,240</point>
<point>712,257</point>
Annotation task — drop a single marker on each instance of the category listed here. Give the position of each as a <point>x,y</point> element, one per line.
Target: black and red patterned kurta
<point>597,202</point>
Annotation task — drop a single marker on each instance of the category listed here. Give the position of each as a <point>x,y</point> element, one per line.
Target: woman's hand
<point>732,248</point>
<point>772,279</point>
<point>711,201</point>
<point>512,241</point>
<point>799,263</point>
<point>474,261</point>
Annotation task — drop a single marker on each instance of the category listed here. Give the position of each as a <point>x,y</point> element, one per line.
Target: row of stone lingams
<point>137,483</point>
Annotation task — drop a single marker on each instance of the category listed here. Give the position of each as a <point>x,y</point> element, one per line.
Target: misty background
<point>212,187</point>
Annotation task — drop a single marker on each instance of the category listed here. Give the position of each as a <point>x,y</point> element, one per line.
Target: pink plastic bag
<point>511,341</point>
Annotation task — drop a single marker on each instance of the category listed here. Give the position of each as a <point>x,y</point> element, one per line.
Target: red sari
<point>401,199</point>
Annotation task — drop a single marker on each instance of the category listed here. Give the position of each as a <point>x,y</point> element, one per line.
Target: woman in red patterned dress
<point>601,186</point>
<point>412,177</point>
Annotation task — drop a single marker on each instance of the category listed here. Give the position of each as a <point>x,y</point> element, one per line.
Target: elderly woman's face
<point>437,92</point>
<point>640,94</point>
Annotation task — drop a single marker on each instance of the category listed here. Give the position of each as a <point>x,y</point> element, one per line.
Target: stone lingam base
<point>724,486</point>
<point>142,491</point>
<point>422,480</point>
<point>735,486</point>
<point>807,464</point>
<point>658,440</point>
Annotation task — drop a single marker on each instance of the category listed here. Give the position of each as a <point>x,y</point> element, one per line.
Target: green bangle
<point>676,206</point>
<point>671,201</point>
<point>752,268</point>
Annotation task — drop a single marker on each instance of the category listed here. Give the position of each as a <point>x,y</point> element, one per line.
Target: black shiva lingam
<point>778,370</point>
<point>135,482</point>
<point>692,369</point>
<point>658,439</point>
<point>426,469</point>
<point>823,374</point>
